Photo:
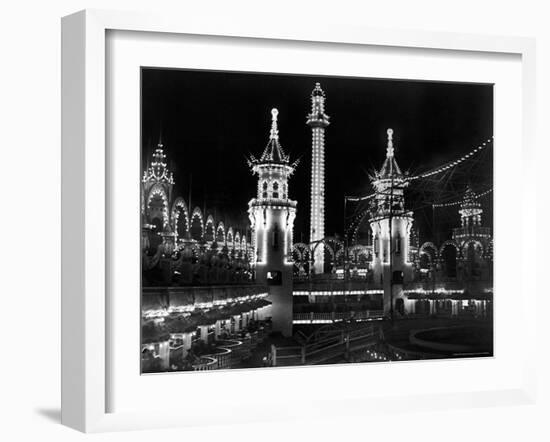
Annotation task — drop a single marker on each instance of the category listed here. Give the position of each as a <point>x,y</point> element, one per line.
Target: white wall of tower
<point>317,222</point>
<point>272,236</point>
<point>400,244</point>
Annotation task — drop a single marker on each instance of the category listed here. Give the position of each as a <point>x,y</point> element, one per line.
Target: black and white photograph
<point>277,221</point>
<point>300,220</point>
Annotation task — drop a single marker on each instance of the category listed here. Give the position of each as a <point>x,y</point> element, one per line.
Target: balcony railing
<point>335,344</point>
<point>317,317</point>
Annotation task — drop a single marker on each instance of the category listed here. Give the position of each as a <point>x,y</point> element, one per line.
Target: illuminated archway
<point>426,247</point>
<point>229,239</point>
<point>157,205</point>
<point>180,218</point>
<point>209,233</point>
<point>237,241</point>
<point>427,257</point>
<point>327,250</point>
<point>337,252</point>
<point>197,224</point>
<point>220,234</point>
<point>472,250</point>
<point>360,254</point>
<point>449,254</point>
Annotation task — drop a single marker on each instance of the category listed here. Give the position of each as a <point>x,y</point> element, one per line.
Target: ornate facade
<point>184,246</point>
<point>468,255</point>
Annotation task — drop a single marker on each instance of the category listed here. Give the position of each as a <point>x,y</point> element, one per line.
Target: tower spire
<point>389,167</point>
<point>389,149</point>
<point>160,135</point>
<point>273,152</point>
<point>274,134</point>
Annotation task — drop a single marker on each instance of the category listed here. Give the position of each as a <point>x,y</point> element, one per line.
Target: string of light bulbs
<point>452,164</point>
<point>456,203</point>
<point>360,198</point>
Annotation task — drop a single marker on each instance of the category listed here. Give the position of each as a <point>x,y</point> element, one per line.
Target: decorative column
<point>164,354</point>
<point>236,327</point>
<point>217,329</point>
<point>204,333</point>
<point>432,307</point>
<point>410,303</point>
<point>477,307</point>
<point>187,342</point>
<point>454,307</point>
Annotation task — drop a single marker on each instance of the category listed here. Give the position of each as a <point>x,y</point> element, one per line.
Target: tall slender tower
<point>318,121</point>
<point>391,228</point>
<point>272,216</point>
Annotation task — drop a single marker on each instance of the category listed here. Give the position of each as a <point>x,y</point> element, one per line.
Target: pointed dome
<point>469,199</point>
<point>273,152</point>
<point>390,168</point>
<point>158,169</point>
<point>317,91</point>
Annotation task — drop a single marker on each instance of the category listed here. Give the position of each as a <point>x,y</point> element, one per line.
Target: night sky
<point>211,120</point>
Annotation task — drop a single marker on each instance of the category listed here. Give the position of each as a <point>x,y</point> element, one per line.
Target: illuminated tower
<point>391,227</point>
<point>470,210</point>
<point>272,216</point>
<point>474,240</point>
<point>318,121</point>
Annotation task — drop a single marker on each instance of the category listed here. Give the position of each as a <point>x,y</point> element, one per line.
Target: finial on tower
<point>317,91</point>
<point>389,150</point>
<point>160,145</point>
<point>274,130</point>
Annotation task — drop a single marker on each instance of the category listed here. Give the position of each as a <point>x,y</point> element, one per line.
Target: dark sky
<point>211,120</point>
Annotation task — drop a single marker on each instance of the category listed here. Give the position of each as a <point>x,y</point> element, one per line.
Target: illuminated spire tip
<point>389,150</point>
<point>274,130</point>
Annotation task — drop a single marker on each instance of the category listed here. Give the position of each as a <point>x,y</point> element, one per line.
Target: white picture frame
<point>85,217</point>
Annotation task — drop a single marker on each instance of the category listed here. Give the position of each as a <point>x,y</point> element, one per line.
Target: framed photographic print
<point>318,218</point>
<point>239,269</point>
